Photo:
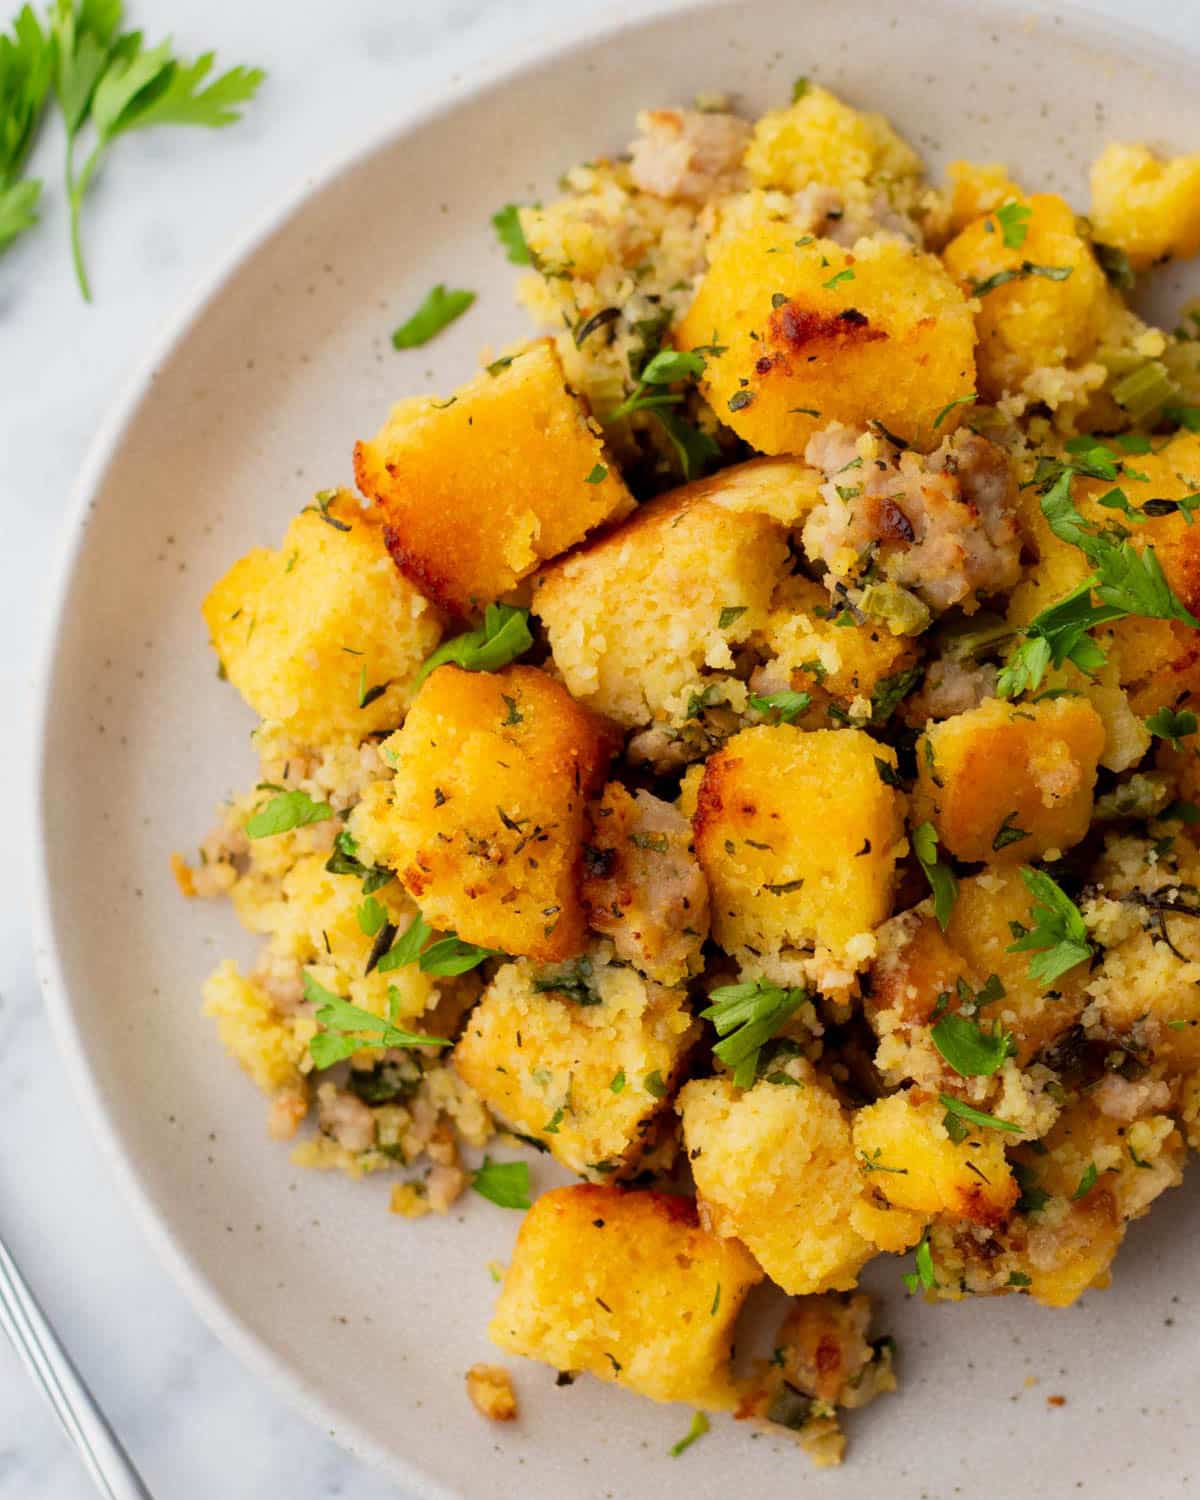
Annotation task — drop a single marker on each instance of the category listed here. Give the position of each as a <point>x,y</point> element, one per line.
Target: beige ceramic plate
<point>254,401</point>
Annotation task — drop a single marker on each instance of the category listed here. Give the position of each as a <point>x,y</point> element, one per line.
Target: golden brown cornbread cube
<point>905,1149</point>
<point>628,1287</point>
<point>921,973</point>
<point>813,653</point>
<point>582,1056</point>
<point>485,820</point>
<point>647,617</point>
<point>774,1167</point>
<point>1006,781</point>
<point>1030,320</point>
<point>814,333</point>
<point>799,836</point>
<point>1145,206</point>
<point>476,492</point>
<point>643,886</point>
<point>323,636</point>
<point>491,1391</point>
<point>819,138</point>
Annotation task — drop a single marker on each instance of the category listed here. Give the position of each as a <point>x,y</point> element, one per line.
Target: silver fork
<point>46,1360</point>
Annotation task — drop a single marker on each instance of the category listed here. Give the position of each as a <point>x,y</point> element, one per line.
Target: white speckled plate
<point>253,402</point>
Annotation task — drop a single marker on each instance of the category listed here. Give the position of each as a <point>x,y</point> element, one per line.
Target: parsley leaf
<point>700,1425</point>
<point>598,474</point>
<point>348,1028</point>
<point>968,400</point>
<point>923,1276</point>
<point>971,1051</point>
<point>26,69</point>
<point>1013,219</point>
<point>450,955</point>
<point>1023,271</point>
<point>118,84</point>
<point>439,309</point>
<point>372,916</point>
<point>505,1183</point>
<point>1086,1183</point>
<point>787,705</point>
<point>847,274</point>
<point>1008,833</point>
<point>1171,726</point>
<point>1059,937</point>
<point>746,1016</point>
<point>503,636</point>
<point>407,947</point>
<point>507,224</point>
<point>942,880</point>
<point>957,1109</point>
<point>284,812</point>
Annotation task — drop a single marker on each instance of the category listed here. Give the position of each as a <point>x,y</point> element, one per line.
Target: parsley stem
<point>76,187</point>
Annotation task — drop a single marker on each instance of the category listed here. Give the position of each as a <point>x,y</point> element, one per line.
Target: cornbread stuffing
<point>744,745</point>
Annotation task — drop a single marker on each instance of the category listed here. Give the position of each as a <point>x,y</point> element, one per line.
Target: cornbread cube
<point>635,618</point>
<point>587,1068</point>
<point>1007,782</point>
<point>774,1167</point>
<point>919,973</point>
<point>820,139</point>
<point>815,333</point>
<point>628,1287</point>
<point>1034,320</point>
<point>972,188</point>
<point>269,1046</point>
<point>799,836</point>
<point>831,661</point>
<point>490,1389</point>
<point>309,634</point>
<point>1147,207</point>
<point>476,492</point>
<point>485,821</point>
<point>906,1151</point>
<point>643,886</point>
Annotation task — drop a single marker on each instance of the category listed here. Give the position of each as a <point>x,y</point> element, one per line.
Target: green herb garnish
<point>507,224</point>
<point>1024,270</point>
<point>942,879</point>
<point>1013,219</point>
<point>439,309</point>
<point>348,1028</point>
<point>746,1017</point>
<point>1169,725</point>
<point>284,812</point>
<point>503,636</point>
<point>971,1051</point>
<point>505,1183</point>
<point>957,1109</point>
<point>1058,938</point>
<point>700,1425</point>
<point>788,706</point>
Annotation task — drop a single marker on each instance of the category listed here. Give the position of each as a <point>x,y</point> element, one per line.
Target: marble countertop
<point>196,1422</point>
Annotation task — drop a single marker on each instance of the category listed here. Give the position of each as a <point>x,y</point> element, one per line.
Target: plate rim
<point>499,68</point>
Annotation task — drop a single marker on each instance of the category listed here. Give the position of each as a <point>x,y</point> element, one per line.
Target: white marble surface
<point>195,1421</point>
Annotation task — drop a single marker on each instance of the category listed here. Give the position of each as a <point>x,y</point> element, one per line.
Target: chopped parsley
<point>654,1085</point>
<point>507,224</point>
<point>787,706</point>
<point>1058,938</point>
<point>888,773</point>
<point>968,400</point>
<point>1013,219</point>
<point>730,614</point>
<point>1115,265</point>
<point>1008,833</point>
<point>598,475</point>
<point>285,811</point>
<point>505,1183</point>
<point>922,1278</point>
<point>503,636</point>
<point>700,1425</point>
<point>799,89</point>
<point>1171,726</point>
<point>1024,270</point>
<point>942,879</point>
<point>971,1051</point>
<point>740,399</point>
<point>957,1109</point>
<point>450,955</point>
<point>372,916</point>
<point>1086,1183</point>
<point>345,861</point>
<point>572,980</point>
<point>746,1016</point>
<point>348,1028</point>
<point>847,274</point>
<point>618,1081</point>
<point>439,309</point>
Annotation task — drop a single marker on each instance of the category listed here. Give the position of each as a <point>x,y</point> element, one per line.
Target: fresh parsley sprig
<point>503,636</point>
<point>505,1183</point>
<point>109,83</point>
<point>970,1050</point>
<point>285,811</point>
<point>1058,938</point>
<point>26,70</point>
<point>746,1017</point>
<point>443,959</point>
<point>348,1028</point>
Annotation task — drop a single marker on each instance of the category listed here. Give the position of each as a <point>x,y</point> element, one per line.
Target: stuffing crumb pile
<point>744,744</point>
